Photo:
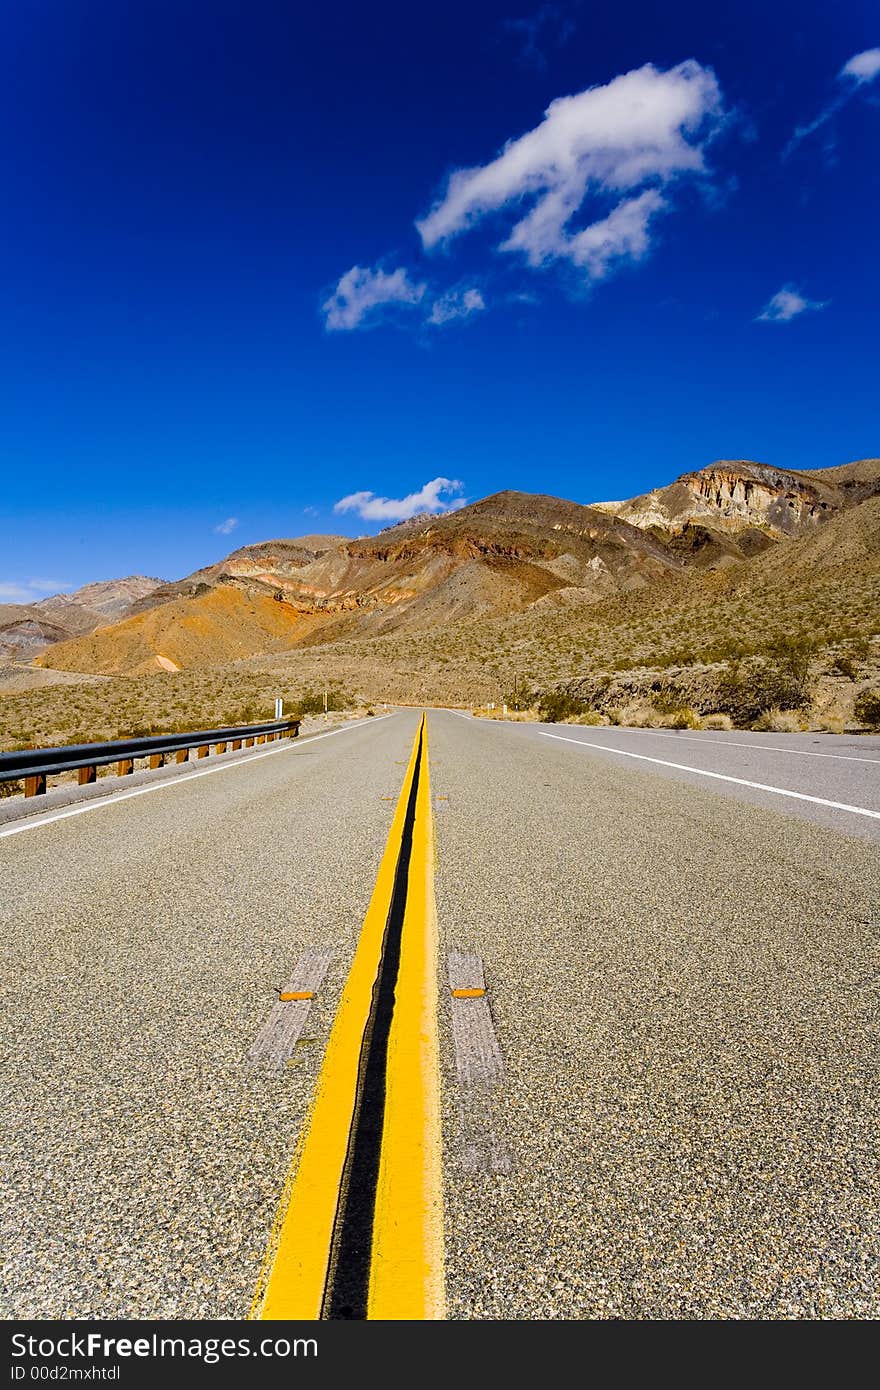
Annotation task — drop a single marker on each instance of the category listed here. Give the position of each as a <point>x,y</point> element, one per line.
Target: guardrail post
<point>248,743</point>
<point>157,760</point>
<point>36,785</point>
<point>236,744</point>
<point>202,750</point>
<point>86,775</point>
<point>182,755</point>
<point>124,767</point>
<point>221,748</point>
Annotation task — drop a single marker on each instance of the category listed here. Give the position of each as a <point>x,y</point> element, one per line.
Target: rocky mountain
<point>734,508</point>
<point>510,554</point>
<point>108,599</point>
<point>264,568</point>
<point>26,630</point>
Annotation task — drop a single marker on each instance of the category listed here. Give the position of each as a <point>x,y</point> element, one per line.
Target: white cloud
<point>861,69</point>
<point>429,498</point>
<point>225,528</point>
<point>310,511</point>
<point>30,590</point>
<point>624,141</point>
<point>787,304</point>
<point>361,291</point>
<point>456,304</point>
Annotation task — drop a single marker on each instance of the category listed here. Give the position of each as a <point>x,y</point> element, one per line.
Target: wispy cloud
<point>786,304</point>
<point>624,141</point>
<point>582,189</point>
<point>310,511</point>
<point>863,67</point>
<point>855,74</point>
<point>549,27</point>
<point>439,495</point>
<point>225,528</point>
<point>456,304</point>
<point>362,292</point>
<point>30,590</point>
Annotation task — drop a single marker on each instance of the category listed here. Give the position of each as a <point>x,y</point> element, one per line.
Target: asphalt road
<point>679,975</point>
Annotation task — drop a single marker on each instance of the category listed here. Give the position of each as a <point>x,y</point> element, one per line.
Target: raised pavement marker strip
<point>278,1037</point>
<point>479,1065</point>
<point>478,1059</point>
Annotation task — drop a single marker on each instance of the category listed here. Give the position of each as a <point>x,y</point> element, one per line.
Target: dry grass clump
<point>779,721</point>
<point>718,722</point>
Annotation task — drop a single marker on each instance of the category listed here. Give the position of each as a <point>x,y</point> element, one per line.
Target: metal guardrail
<point>36,764</point>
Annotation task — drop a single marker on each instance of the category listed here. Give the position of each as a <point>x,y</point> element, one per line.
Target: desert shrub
<point>612,714</point>
<point>718,722</point>
<point>778,721</point>
<point>749,688</point>
<point>555,706</point>
<point>844,664</point>
<point>792,654</point>
<point>684,718</point>
<point>10,789</point>
<point>312,701</point>
<point>668,699</point>
<point>591,717</point>
<point>519,699</point>
<point>867,708</point>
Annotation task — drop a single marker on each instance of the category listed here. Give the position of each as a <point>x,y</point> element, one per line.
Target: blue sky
<point>263,259</point>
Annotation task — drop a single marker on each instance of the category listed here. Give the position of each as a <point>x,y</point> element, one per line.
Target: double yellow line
<point>359,1230</point>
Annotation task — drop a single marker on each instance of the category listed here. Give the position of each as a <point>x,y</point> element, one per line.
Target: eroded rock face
<point>761,496</point>
<point>749,503</point>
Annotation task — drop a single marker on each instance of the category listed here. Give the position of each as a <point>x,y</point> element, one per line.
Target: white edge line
<point>96,804</point>
<point>735,743</point>
<point>719,776</point>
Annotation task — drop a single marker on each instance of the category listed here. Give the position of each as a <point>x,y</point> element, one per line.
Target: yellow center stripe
<point>296,994</point>
<point>407,1257</point>
<point>468,993</point>
<point>406,1272</point>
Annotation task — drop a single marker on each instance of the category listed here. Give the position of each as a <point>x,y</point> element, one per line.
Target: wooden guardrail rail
<point>34,765</point>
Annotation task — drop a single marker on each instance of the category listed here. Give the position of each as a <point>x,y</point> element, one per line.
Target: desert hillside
<point>221,625</point>
<point>515,594</point>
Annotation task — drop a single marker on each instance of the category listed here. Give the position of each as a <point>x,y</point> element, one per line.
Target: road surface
<point>658,1092</point>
